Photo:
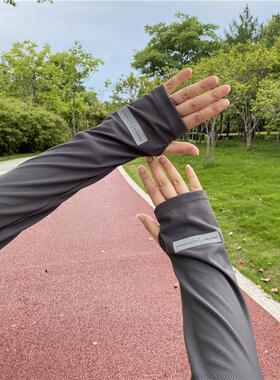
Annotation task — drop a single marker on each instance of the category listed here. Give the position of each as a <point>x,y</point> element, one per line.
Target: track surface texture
<point>86,294</point>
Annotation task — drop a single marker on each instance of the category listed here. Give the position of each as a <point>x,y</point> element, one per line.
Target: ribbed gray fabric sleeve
<point>218,332</point>
<point>39,185</point>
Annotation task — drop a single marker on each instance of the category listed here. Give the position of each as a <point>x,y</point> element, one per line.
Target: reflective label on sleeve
<point>195,241</point>
<point>132,125</point>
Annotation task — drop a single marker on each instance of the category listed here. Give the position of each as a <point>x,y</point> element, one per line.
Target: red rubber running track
<point>85,294</point>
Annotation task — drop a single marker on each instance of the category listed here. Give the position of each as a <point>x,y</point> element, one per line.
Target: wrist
<point>150,123</point>
<point>187,224</point>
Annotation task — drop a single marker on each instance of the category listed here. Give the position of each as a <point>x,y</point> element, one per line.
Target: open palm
<point>195,103</point>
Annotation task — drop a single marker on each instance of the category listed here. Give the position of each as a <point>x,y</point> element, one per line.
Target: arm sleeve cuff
<point>217,328</point>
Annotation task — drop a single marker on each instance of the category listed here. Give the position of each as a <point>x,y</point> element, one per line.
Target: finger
<point>177,79</point>
<point>193,179</point>
<point>195,89</point>
<point>151,187</point>
<point>163,183</point>
<point>206,113</point>
<point>174,176</point>
<point>180,147</point>
<point>201,101</point>
<point>149,223</point>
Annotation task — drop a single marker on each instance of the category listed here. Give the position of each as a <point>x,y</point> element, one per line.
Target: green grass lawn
<point>19,155</point>
<point>244,189</point>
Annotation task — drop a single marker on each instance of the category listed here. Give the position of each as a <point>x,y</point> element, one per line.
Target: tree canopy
<point>245,29</point>
<point>247,58</point>
<point>175,45</point>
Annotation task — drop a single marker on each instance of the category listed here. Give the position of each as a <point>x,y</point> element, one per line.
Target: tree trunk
<point>211,140</point>
<point>228,129</point>
<point>208,151</point>
<point>249,139</point>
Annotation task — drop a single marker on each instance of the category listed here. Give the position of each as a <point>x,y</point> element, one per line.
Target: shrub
<point>26,129</point>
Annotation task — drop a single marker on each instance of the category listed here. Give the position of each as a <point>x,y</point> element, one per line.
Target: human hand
<point>195,103</point>
<point>165,184</point>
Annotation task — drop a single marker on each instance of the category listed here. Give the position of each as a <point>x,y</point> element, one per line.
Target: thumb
<point>150,224</point>
<point>180,147</point>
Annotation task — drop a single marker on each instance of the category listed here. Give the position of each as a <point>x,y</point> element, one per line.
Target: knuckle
<point>153,190</point>
<point>192,105</point>
<point>215,96</point>
<point>169,84</point>
<point>198,117</point>
<point>175,181</point>
<point>180,76</point>
<point>162,184</point>
<point>185,95</point>
<point>216,108</point>
<point>203,85</point>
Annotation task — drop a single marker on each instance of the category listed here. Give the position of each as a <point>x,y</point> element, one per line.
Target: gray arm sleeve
<point>217,328</point>
<point>35,188</point>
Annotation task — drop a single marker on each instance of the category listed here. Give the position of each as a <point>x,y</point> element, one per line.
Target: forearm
<point>217,328</point>
<point>38,186</point>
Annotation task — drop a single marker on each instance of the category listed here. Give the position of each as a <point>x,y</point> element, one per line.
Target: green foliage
<point>271,31</point>
<point>267,103</point>
<point>245,29</point>
<point>175,45</point>
<point>128,89</point>
<point>25,128</point>
<point>54,81</point>
<point>243,67</point>
<point>248,59</point>
<point>23,71</point>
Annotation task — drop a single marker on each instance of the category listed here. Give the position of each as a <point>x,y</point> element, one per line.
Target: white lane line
<point>258,295</point>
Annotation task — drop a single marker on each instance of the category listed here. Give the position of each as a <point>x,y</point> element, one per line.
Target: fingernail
<point>141,170</point>
<point>150,159</point>
<point>215,79</point>
<point>225,102</point>
<point>162,159</point>
<point>228,87</point>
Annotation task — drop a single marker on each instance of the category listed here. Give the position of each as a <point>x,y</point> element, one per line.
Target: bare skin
<point>164,183</point>
<point>195,103</point>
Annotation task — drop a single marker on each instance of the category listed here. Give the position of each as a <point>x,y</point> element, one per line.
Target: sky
<point>111,30</point>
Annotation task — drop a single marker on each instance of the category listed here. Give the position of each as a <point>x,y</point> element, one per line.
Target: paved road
<point>10,164</point>
<point>85,294</point>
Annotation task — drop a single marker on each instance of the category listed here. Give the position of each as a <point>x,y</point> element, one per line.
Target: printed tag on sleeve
<point>132,125</point>
<point>195,241</point>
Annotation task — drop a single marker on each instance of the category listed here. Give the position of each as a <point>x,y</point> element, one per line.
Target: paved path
<point>85,294</point>
<point>10,164</point>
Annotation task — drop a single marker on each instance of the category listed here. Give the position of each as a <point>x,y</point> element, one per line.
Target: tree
<point>129,88</point>
<point>176,45</point>
<point>267,104</point>
<point>247,65</point>
<point>271,31</point>
<point>23,70</point>
<point>74,65</point>
<point>245,29</point>
<point>54,81</point>
<point>215,65</point>
<point>243,67</point>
